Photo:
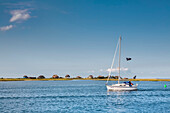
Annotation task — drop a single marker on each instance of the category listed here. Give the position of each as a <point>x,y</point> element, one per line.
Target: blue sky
<point>78,37</point>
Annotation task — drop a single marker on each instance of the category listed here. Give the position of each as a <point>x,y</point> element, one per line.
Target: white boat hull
<point>121,87</point>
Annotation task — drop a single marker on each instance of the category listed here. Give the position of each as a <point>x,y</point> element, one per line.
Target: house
<point>41,77</point>
<point>67,76</point>
<point>100,77</point>
<point>55,76</point>
<point>125,78</point>
<point>78,77</point>
<point>25,76</point>
<point>90,76</point>
<point>116,77</point>
<point>32,77</point>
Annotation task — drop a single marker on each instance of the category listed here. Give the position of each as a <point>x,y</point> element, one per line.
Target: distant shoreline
<point>60,79</point>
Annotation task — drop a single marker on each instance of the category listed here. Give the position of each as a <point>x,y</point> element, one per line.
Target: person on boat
<point>126,82</point>
<point>130,84</point>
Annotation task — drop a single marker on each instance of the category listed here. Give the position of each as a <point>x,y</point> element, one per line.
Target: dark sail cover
<point>128,59</point>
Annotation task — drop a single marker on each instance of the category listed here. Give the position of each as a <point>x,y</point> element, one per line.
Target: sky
<point>79,37</point>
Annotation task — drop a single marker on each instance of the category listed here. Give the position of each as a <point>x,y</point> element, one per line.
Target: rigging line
<point>119,57</point>
<point>112,62</point>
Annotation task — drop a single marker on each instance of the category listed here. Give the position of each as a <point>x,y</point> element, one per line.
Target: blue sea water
<point>82,97</point>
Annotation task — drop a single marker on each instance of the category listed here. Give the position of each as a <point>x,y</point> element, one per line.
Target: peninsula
<point>58,79</point>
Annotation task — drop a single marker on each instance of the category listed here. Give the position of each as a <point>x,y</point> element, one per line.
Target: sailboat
<point>125,86</point>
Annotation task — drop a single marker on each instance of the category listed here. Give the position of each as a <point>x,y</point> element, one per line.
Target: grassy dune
<point>51,79</point>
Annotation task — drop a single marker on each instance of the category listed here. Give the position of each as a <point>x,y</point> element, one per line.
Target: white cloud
<point>117,69</point>
<point>19,15</point>
<point>5,28</point>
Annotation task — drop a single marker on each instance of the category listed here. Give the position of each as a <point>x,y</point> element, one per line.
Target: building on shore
<point>78,77</point>
<point>100,77</point>
<point>41,77</point>
<point>55,76</point>
<point>32,77</point>
<point>67,76</point>
<point>116,77</point>
<point>90,76</point>
<point>25,76</point>
<point>125,78</point>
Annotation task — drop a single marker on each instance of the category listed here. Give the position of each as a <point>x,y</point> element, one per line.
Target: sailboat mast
<point>119,57</point>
